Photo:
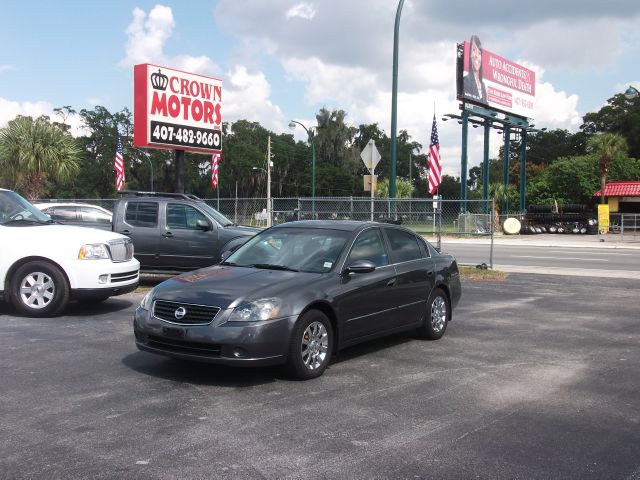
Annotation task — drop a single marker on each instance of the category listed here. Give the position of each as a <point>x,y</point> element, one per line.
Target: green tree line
<point>40,158</point>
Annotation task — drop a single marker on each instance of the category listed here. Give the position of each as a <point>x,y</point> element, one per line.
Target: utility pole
<point>179,171</point>
<point>269,182</point>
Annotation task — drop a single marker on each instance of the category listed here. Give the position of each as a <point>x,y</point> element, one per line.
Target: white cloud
<point>202,64</point>
<point>301,10</point>
<point>246,96</point>
<point>146,39</point>
<point>147,35</point>
<point>11,109</point>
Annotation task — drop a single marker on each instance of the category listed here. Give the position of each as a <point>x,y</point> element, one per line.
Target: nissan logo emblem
<point>180,312</point>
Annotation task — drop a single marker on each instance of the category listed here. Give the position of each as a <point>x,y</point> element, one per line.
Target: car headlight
<point>263,309</point>
<point>94,251</point>
<point>147,300</point>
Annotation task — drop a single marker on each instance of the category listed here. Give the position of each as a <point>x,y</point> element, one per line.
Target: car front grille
<point>121,250</point>
<point>193,315</point>
<point>183,346</point>
<point>124,277</point>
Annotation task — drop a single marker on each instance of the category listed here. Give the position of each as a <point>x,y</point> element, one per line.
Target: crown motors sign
<point>178,110</point>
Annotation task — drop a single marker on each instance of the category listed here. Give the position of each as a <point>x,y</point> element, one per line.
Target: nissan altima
<point>298,292</point>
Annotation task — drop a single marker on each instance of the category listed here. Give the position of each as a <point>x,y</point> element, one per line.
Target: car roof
<point>345,225</point>
<point>68,204</point>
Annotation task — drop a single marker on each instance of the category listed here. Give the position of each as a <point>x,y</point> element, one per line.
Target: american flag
<point>118,165</point>
<point>214,170</point>
<point>435,161</point>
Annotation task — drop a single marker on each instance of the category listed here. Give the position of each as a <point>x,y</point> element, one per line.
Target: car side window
<point>141,214</point>
<point>64,214</point>
<point>183,216</point>
<point>369,246</point>
<point>426,253</point>
<point>404,245</point>
<point>94,215</point>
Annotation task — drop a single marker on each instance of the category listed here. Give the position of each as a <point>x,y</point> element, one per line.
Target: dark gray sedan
<point>300,291</point>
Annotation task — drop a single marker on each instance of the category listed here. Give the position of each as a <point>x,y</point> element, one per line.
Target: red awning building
<point>622,197</point>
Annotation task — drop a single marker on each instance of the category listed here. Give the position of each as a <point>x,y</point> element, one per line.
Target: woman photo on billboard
<point>473,85</point>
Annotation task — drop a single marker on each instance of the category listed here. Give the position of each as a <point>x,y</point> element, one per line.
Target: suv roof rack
<point>134,193</point>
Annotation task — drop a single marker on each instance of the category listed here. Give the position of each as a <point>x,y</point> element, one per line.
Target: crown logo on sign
<point>159,81</point>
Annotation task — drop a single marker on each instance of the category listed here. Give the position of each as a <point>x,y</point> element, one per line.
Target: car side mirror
<point>225,255</point>
<point>361,266</point>
<point>203,225</point>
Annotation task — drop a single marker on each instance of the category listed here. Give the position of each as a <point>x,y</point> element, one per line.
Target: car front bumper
<point>99,293</point>
<point>221,342</point>
<point>102,274</point>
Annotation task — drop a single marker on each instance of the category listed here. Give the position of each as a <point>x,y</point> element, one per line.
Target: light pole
<point>631,93</point>
<point>394,107</point>
<point>292,124</point>
<point>148,157</point>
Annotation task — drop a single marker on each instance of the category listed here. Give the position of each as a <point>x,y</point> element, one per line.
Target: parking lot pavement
<point>537,377</point>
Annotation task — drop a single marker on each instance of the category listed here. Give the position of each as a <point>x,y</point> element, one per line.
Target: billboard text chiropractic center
<point>176,110</point>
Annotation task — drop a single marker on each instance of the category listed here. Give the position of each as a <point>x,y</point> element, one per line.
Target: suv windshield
<point>306,250</point>
<point>15,210</point>
<point>217,216</point>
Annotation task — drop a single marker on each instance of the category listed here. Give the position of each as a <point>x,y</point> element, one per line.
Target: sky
<point>285,59</point>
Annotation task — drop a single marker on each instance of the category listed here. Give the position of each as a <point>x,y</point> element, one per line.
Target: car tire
<point>437,316</point>
<point>310,346</point>
<point>39,289</point>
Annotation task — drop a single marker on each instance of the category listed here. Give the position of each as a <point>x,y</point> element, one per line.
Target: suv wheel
<point>39,289</point>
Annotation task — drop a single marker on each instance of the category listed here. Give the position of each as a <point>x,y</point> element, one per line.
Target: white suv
<point>44,265</point>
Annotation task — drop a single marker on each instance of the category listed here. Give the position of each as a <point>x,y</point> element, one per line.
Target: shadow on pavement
<point>198,373</point>
<point>201,373</point>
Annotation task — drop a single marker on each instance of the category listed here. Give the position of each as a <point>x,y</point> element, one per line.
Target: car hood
<point>229,286</point>
<point>242,230</point>
<point>68,233</point>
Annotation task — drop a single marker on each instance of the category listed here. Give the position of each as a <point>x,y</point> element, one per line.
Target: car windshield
<point>296,249</point>
<point>218,217</point>
<point>15,210</point>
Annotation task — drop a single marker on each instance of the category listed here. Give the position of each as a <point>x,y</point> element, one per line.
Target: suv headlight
<point>147,300</point>
<point>94,251</point>
<point>263,309</point>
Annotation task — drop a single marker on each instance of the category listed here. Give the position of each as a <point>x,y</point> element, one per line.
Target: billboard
<point>176,110</point>
<point>490,80</point>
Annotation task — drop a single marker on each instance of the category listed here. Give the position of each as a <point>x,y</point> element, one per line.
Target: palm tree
<point>607,147</point>
<point>33,150</point>
<point>500,193</point>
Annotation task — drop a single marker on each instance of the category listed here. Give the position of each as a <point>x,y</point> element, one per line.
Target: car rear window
<point>404,245</point>
<point>141,214</point>
<point>63,214</point>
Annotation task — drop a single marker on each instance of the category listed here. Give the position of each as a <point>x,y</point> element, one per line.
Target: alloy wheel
<point>37,290</point>
<point>438,314</point>
<point>314,345</point>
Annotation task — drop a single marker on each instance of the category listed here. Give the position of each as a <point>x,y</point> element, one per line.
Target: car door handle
<point>167,234</point>
<point>391,282</point>
<point>125,232</point>
<point>429,273</point>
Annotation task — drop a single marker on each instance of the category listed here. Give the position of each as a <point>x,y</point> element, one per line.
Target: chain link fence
<point>627,225</point>
<point>442,222</point>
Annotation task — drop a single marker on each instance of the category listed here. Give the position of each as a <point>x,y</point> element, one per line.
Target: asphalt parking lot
<point>537,377</point>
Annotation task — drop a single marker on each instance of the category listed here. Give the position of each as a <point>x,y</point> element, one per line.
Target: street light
<point>292,124</point>
<point>394,108</point>
<point>148,157</point>
<point>631,93</point>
